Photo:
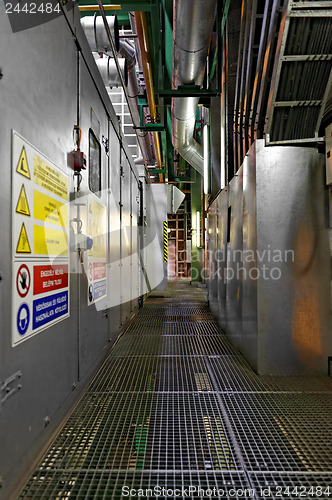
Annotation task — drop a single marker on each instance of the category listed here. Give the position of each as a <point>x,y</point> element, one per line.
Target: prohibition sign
<point>23,280</point>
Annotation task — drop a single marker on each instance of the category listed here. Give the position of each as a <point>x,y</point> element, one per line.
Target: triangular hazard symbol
<point>23,245</point>
<point>22,206</point>
<point>22,166</point>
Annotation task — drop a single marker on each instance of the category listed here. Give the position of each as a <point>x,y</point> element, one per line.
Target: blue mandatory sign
<point>48,309</point>
<point>100,289</point>
<point>90,293</point>
<point>23,319</point>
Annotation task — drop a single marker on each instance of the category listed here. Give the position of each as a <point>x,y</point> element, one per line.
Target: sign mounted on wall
<point>97,272</point>
<point>40,237</point>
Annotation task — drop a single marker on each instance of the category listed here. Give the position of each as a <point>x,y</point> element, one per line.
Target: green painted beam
<point>126,5</point>
<point>167,6</point>
<point>163,135</point>
<point>152,127</point>
<point>220,31</point>
<point>155,45</point>
<point>157,170</point>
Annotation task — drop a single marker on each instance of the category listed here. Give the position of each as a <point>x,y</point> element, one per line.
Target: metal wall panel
<point>294,320</point>
<point>222,206</point>
<point>211,262</point>
<point>41,106</point>
<point>233,272</point>
<point>135,205</point>
<point>277,301</point>
<point>40,101</point>
<point>249,341</point>
<point>92,318</point>
<point>156,268</point>
<point>125,241</point>
<point>114,266</point>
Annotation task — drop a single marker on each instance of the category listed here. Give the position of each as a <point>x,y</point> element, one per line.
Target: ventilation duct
<point>109,71</point>
<point>194,21</point>
<point>96,35</point>
<point>174,198</point>
<point>127,50</point>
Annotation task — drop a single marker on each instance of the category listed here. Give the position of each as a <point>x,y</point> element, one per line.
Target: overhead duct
<point>109,71</point>
<point>96,35</point>
<point>127,50</point>
<point>133,25</point>
<point>194,21</point>
<point>174,198</point>
<point>142,34</point>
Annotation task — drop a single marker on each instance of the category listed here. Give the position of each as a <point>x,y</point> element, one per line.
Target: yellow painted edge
<point>96,7</point>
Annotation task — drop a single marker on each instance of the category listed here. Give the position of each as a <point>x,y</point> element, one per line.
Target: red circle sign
<point>23,280</point>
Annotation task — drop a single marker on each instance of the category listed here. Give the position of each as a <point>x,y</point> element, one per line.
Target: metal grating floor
<point>176,412</point>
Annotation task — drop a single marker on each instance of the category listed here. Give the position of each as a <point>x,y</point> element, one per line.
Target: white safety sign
<point>40,241</point>
<point>97,268</point>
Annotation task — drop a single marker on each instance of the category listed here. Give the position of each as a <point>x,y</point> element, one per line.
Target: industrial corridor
<point>175,411</point>
<point>166,249</point>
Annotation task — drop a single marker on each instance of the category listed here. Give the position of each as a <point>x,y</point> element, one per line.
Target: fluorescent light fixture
<point>206,153</point>
<point>198,229</point>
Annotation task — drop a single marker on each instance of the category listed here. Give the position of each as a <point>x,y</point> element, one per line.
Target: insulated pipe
<point>109,71</point>
<point>128,51</point>
<point>114,51</point>
<point>190,50</point>
<point>149,137</point>
<point>96,35</point>
<point>142,34</point>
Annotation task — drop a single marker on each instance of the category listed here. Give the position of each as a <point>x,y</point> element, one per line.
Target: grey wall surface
<point>42,68</point>
<point>156,214</point>
<point>274,302</point>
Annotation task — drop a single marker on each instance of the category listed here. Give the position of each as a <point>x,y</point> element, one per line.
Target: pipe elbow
<point>192,152</point>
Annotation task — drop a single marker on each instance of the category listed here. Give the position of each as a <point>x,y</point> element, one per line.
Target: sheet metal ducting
<point>109,71</point>
<point>96,35</point>
<point>190,50</point>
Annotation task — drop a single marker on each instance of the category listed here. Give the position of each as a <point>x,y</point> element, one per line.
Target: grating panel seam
<point>129,428</point>
<point>230,427</point>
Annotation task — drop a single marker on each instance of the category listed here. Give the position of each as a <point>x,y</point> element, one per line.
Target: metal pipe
<point>190,50</point>
<point>94,30</point>
<point>109,72</point>
<point>128,51</point>
<point>142,33</point>
<point>113,49</point>
<point>132,20</point>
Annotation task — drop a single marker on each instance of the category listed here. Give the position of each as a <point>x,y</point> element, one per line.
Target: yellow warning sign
<point>50,210</point>
<point>22,166</point>
<point>22,206</point>
<point>99,222</point>
<point>23,245</point>
<point>50,241</point>
<point>50,178</point>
